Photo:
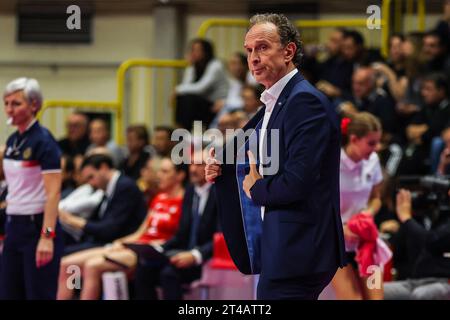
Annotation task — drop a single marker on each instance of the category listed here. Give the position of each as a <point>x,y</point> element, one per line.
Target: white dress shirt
<point>269,97</point>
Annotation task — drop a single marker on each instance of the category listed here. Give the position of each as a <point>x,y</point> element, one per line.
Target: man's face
<point>98,133</point>
<point>76,127</point>
<point>334,42</point>
<point>431,47</point>
<point>161,142</point>
<point>431,94</point>
<point>18,108</point>
<point>267,59</point>
<point>362,84</point>
<point>97,178</point>
<point>349,49</point>
<point>134,144</point>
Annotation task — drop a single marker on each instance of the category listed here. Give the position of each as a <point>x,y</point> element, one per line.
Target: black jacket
<point>206,229</point>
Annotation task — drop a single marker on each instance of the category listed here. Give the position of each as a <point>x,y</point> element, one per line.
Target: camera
<point>429,195</point>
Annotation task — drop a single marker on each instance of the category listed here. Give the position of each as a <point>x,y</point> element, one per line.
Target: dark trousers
<point>298,288</point>
<point>192,108</point>
<point>20,278</point>
<point>171,279</point>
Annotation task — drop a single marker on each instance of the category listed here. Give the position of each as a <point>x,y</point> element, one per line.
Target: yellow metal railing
<point>117,107</point>
<point>421,14</point>
<point>112,106</point>
<point>384,23</point>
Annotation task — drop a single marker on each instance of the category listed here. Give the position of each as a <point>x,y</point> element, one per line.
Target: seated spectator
<point>335,73</point>
<point>443,26</point>
<point>367,97</point>
<point>426,251</point>
<point>238,71</point>
<point>161,224</point>
<point>394,72</point>
<point>120,212</point>
<point>162,142</point>
<point>354,55</point>
<point>77,140</point>
<point>148,182</point>
<point>435,51</point>
<point>428,124</point>
<point>100,137</point>
<point>137,140</point>
<point>251,95</point>
<point>81,202</point>
<point>191,246</point>
<point>204,85</point>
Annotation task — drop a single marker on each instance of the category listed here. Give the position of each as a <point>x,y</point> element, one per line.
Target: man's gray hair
<point>29,86</point>
<point>286,30</point>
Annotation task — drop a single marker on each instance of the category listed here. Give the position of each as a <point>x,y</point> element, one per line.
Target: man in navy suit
<point>285,224</point>
<point>119,214</point>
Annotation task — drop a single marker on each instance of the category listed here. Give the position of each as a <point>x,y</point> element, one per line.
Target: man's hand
<point>403,206</point>
<point>44,252</point>
<point>212,168</point>
<point>252,176</point>
<point>183,260</point>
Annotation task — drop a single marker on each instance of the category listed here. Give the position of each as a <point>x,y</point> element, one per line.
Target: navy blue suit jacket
<point>302,229</point>
<point>125,211</point>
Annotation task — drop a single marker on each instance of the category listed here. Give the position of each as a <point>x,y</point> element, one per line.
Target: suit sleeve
<point>120,208</point>
<point>307,132</point>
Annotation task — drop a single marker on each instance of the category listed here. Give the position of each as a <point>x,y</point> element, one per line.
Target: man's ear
<point>289,51</point>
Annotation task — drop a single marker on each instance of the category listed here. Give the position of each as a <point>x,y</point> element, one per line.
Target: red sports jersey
<point>163,222</point>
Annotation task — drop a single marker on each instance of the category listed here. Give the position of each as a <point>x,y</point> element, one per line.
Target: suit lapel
<point>283,98</point>
<point>276,110</point>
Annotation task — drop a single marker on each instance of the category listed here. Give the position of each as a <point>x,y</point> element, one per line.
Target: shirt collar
<point>112,184</point>
<point>203,190</point>
<point>273,93</point>
<point>349,163</point>
<point>30,125</point>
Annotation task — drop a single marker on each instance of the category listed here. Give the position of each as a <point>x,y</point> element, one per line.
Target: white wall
<point>115,39</point>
